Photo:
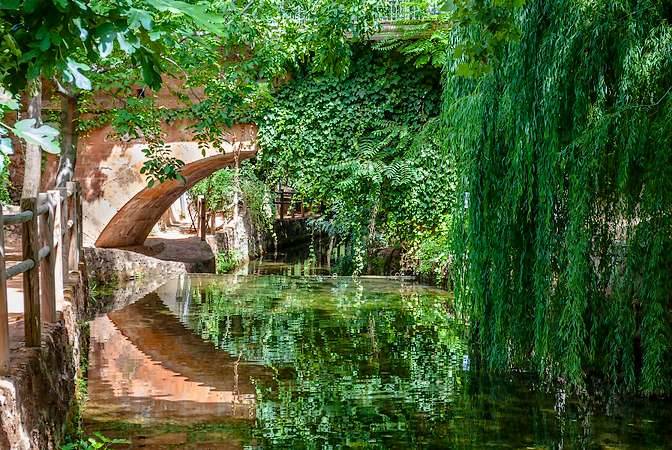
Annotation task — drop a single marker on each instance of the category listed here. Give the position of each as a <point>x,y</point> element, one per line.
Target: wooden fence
<point>51,248</point>
<point>290,208</point>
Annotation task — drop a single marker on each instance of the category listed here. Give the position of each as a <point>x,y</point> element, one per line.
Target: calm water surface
<point>289,361</point>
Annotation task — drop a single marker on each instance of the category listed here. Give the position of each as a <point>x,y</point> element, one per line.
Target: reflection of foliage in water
<point>373,364</point>
<point>362,366</point>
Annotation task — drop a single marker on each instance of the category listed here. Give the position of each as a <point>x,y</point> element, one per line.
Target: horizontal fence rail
<point>51,241</point>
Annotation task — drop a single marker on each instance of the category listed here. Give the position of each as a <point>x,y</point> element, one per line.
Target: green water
<point>277,361</point>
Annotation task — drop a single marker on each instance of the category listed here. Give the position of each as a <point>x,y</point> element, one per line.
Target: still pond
<point>280,359</point>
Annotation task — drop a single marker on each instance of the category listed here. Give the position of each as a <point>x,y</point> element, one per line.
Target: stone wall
<point>37,396</point>
<point>108,265</point>
<point>241,236</point>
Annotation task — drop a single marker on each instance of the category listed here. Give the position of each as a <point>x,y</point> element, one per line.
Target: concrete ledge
<point>113,265</point>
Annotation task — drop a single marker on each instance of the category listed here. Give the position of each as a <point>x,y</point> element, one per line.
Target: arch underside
<point>134,221</point>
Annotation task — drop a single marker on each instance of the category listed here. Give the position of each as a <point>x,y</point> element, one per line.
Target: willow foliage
<point>565,156</point>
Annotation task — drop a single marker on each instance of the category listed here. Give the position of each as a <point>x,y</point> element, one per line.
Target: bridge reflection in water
<point>308,361</point>
<point>148,368</point>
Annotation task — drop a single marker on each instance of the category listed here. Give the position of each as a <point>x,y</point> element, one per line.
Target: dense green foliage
<point>540,181</point>
<point>364,146</point>
<point>4,180</point>
<point>61,38</point>
<point>226,261</point>
<point>220,187</point>
<point>226,76</point>
<point>564,155</point>
<point>217,190</point>
<point>560,136</point>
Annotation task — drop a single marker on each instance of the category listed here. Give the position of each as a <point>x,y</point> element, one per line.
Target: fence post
<point>282,202</point>
<point>66,207</point>
<point>4,316</point>
<point>78,224</point>
<point>56,256</point>
<point>31,278</point>
<point>46,267</point>
<point>201,216</point>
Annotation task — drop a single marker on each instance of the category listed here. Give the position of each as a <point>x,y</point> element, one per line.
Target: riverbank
<point>38,393</point>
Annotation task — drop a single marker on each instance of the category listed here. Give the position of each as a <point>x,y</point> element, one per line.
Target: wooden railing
<point>51,248</point>
<point>290,208</point>
<point>389,11</point>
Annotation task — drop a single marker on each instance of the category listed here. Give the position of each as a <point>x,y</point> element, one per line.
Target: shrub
<point>226,261</point>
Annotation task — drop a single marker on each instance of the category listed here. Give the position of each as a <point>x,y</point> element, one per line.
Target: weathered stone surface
<point>113,265</point>
<point>241,236</point>
<point>119,209</point>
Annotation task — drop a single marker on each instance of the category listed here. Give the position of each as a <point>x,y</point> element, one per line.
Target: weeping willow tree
<point>564,152</point>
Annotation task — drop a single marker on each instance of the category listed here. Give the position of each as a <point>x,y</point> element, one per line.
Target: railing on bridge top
<point>51,247</point>
<point>400,10</point>
<point>390,11</point>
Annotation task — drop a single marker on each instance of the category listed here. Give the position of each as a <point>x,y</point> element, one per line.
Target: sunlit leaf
<point>44,135</point>
<point>8,100</point>
<point>6,146</point>
<point>73,74</point>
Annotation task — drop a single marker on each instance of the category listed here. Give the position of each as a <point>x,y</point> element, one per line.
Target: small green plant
<point>97,442</point>
<point>99,290</point>
<point>5,182</point>
<point>226,261</point>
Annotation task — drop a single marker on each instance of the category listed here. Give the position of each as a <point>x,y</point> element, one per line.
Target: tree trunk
<point>371,238</point>
<point>33,156</point>
<point>236,199</point>
<point>332,240</point>
<point>69,120</point>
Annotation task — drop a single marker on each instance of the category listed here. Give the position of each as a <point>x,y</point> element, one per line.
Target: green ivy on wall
<point>365,146</point>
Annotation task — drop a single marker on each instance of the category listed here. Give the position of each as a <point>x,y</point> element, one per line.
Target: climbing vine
<point>364,146</point>
<point>218,190</point>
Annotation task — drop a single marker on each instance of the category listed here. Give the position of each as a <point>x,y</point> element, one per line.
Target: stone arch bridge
<point>119,208</point>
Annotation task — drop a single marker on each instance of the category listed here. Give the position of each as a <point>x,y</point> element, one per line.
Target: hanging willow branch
<point>564,152</point>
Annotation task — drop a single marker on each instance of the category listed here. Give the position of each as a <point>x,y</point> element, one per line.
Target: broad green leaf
<point>6,146</point>
<point>138,18</point>
<point>44,136</point>
<point>83,32</point>
<point>199,14</point>
<point>73,74</point>
<point>127,45</point>
<point>7,100</point>
<point>107,34</point>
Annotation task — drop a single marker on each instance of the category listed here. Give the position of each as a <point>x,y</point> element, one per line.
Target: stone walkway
<point>178,244</point>
<point>13,255</point>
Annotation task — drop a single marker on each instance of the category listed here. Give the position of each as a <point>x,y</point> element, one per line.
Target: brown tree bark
<point>33,157</point>
<point>69,121</point>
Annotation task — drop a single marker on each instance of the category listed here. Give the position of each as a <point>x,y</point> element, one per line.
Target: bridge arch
<point>135,220</point>
<point>119,209</point>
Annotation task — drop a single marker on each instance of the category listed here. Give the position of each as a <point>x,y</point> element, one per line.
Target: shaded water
<point>278,361</point>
